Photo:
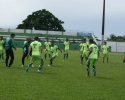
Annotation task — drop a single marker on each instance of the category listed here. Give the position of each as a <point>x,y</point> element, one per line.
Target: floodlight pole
<point>103,22</point>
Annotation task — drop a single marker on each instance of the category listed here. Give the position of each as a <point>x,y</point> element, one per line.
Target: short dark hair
<point>12,34</point>
<point>36,38</point>
<point>105,42</point>
<point>91,40</point>
<point>84,39</point>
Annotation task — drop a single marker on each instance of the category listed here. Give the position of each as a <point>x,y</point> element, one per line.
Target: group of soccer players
<point>89,51</point>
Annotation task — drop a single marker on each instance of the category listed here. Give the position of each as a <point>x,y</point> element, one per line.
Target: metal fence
<point>116,46</point>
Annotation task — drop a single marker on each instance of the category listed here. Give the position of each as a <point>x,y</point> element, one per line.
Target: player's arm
<point>24,46</point>
<point>12,44</point>
<point>29,50</point>
<point>41,49</point>
<point>90,51</point>
<point>59,49</point>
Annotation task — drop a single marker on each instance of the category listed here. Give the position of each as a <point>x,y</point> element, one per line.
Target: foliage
<point>113,37</point>
<point>42,20</point>
<point>65,80</point>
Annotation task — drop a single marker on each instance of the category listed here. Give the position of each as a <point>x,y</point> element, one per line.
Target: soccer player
<point>66,49</point>
<point>36,47</point>
<point>81,50</point>
<point>47,45</point>
<point>84,50</point>
<point>8,45</point>
<point>92,57</point>
<point>25,50</point>
<point>105,49</point>
<point>54,53</point>
<point>1,47</point>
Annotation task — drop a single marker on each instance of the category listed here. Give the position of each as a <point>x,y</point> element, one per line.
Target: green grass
<point>65,80</point>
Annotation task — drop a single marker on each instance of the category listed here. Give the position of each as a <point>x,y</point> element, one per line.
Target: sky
<point>78,15</point>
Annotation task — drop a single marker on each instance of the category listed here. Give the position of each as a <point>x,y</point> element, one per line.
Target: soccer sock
<point>67,56</point>
<point>51,61</point>
<point>64,56</point>
<point>87,67</point>
<point>28,67</point>
<point>94,70</point>
<point>107,59</point>
<point>41,64</point>
<point>2,55</point>
<point>81,62</point>
<point>45,56</point>
<point>49,55</point>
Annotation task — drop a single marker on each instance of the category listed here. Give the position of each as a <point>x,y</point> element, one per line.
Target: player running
<point>36,54</point>
<point>105,49</point>
<point>47,45</point>
<point>25,50</point>
<point>92,57</point>
<point>66,49</point>
<point>8,45</point>
<point>1,47</point>
<point>84,51</point>
<point>54,53</point>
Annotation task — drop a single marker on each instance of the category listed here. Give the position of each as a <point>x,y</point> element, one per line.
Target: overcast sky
<point>78,15</point>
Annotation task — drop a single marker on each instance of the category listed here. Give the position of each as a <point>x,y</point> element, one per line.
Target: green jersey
<point>85,47</point>
<point>47,45</point>
<point>105,49</point>
<point>54,50</point>
<point>94,53</point>
<point>66,44</point>
<point>1,44</point>
<point>9,44</point>
<point>25,42</point>
<point>81,46</point>
<point>36,48</point>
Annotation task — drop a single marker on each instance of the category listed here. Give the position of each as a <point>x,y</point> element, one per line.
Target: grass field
<point>65,80</point>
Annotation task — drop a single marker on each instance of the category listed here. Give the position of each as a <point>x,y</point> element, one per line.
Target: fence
<point>115,46</point>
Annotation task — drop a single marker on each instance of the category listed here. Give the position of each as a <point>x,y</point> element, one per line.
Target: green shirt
<point>54,50</point>
<point>25,47</point>
<point>47,45</point>
<point>105,49</point>
<point>94,53</point>
<point>81,46</point>
<point>66,44</point>
<point>25,42</point>
<point>9,44</point>
<point>1,44</point>
<point>36,48</point>
<point>85,47</point>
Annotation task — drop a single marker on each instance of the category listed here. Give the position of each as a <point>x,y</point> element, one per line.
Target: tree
<point>42,20</point>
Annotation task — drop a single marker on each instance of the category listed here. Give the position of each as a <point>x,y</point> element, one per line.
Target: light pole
<point>103,22</point>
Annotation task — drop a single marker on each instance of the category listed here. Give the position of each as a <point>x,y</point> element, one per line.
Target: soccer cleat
<point>49,65</point>
<point>87,75</point>
<point>38,70</point>
<point>26,70</point>
<point>22,66</point>
<point>32,65</point>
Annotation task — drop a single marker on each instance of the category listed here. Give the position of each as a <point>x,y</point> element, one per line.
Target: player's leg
<point>103,58</point>
<point>51,60</point>
<point>87,67</point>
<point>64,57</point>
<point>12,57</point>
<point>107,57</point>
<point>23,58</point>
<point>45,54</point>
<point>32,60</point>
<point>81,59</point>
<point>67,55</point>
<point>94,66</point>
<point>7,57</point>
<point>41,64</point>
<point>2,54</point>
